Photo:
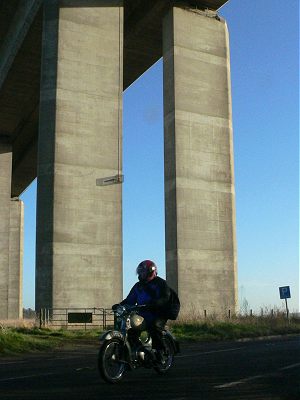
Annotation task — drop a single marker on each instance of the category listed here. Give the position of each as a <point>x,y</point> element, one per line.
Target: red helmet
<point>146,270</point>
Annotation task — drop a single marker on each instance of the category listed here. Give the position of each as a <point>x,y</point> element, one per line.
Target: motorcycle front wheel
<point>110,364</point>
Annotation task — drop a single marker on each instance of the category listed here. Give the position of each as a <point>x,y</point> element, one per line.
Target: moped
<point>117,354</point>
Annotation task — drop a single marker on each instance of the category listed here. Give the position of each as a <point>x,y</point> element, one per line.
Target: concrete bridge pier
<point>11,241</point>
<point>5,190</point>
<point>16,237</point>
<point>79,238</point>
<point>199,182</point>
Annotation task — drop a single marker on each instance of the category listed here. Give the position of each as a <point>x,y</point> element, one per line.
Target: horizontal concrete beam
<point>20,25</point>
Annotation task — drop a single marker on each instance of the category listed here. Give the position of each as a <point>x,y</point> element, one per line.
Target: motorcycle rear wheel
<point>168,358</point>
<point>110,366</point>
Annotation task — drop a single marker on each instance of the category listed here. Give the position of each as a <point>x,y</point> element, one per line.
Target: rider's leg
<point>155,330</point>
<point>133,336</point>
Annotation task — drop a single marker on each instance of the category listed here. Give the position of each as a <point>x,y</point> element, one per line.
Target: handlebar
<point>127,307</point>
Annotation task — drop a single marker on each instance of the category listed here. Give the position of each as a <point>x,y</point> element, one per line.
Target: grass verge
<point>22,340</point>
<point>233,329</point>
<point>14,340</point>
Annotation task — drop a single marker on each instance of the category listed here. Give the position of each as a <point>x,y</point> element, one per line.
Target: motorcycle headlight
<point>136,321</point>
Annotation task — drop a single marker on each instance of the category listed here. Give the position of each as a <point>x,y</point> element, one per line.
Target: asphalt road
<point>268,369</point>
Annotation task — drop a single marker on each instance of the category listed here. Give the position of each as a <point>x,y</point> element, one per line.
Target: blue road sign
<point>285,292</point>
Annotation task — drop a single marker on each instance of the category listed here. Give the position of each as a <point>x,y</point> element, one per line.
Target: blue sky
<point>264,36</point>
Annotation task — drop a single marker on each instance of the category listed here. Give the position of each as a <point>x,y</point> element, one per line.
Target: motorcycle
<point>117,354</point>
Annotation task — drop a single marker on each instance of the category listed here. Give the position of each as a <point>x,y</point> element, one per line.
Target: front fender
<point>110,335</point>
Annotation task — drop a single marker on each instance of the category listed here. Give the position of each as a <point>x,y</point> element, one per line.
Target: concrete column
<point>199,182</point>
<point>15,292</point>
<point>79,238</point>
<point>5,191</point>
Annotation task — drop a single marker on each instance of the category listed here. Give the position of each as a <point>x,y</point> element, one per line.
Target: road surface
<point>266,369</point>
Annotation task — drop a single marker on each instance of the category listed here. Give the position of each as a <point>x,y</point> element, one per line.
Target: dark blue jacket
<point>155,294</point>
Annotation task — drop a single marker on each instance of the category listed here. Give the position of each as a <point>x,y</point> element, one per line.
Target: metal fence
<point>76,318</point>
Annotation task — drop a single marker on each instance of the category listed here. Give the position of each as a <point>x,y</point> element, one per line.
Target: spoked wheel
<point>168,358</point>
<point>110,364</point>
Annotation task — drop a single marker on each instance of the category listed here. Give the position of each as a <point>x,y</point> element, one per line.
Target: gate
<point>76,318</point>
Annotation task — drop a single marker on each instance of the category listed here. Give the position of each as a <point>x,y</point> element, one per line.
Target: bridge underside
<point>20,81</point>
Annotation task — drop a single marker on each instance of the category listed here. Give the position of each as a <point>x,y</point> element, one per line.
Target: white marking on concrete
<point>11,362</point>
<point>209,352</point>
<point>290,367</point>
<point>85,369</point>
<point>67,357</point>
<point>26,376</point>
<point>240,382</point>
<point>252,378</point>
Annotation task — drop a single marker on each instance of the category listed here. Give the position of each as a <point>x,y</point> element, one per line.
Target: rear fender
<point>173,341</point>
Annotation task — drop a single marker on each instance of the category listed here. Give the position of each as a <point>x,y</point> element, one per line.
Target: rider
<point>153,292</point>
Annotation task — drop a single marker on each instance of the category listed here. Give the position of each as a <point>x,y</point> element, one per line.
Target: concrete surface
<point>16,250</point>
<point>5,184</point>
<point>199,182</point>
<point>11,241</point>
<point>61,116</point>
<point>79,225</point>
<point>210,371</point>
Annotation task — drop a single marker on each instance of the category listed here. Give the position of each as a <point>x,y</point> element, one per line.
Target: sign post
<point>285,294</point>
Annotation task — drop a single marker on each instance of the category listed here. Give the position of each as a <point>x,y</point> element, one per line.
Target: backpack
<point>171,309</point>
<point>173,306</point>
